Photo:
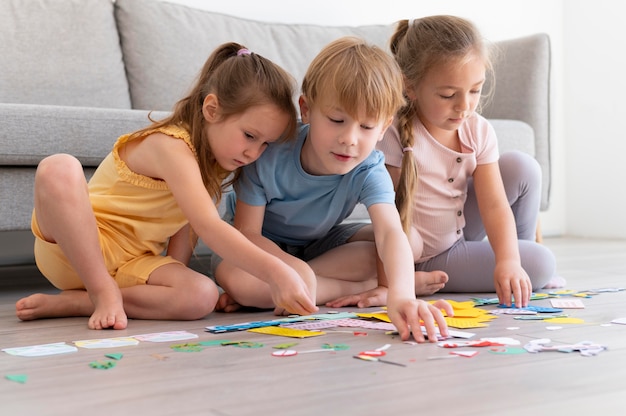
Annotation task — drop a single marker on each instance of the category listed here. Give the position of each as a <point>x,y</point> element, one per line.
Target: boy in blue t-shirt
<point>292,201</point>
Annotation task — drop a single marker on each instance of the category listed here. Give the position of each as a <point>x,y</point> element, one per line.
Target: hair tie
<point>407,149</point>
<point>243,51</point>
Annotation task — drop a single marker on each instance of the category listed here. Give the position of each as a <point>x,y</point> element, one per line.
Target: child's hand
<point>374,297</point>
<point>291,295</point>
<point>511,278</point>
<point>407,313</point>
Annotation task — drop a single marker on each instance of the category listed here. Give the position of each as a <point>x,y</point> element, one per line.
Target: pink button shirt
<point>443,178</point>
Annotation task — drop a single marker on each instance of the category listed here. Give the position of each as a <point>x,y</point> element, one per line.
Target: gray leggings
<point>470,262</point>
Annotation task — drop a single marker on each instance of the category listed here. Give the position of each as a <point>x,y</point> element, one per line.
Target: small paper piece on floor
<point>18,378</point>
<point>463,323</point>
<point>41,350</point>
<point>166,336</point>
<point>468,354</point>
<point>286,332</point>
<point>565,320</point>
<point>102,365</point>
<point>567,303</point>
<point>187,347</point>
<point>107,342</point>
<point>115,356</point>
<point>621,321</point>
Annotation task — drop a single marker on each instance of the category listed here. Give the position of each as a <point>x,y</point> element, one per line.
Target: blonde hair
<point>359,76</point>
<point>419,46</point>
<point>240,80</point>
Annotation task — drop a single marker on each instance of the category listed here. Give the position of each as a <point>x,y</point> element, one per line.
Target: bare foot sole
<point>226,304</point>
<point>427,283</point>
<point>41,305</point>
<point>555,283</point>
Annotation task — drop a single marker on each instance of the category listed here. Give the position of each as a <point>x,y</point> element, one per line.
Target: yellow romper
<point>135,214</point>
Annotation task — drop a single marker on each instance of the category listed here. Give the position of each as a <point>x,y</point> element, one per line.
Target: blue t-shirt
<point>299,207</point>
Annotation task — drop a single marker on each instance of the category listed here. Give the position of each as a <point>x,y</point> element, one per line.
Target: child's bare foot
<point>67,303</point>
<point>226,304</point>
<point>109,311</point>
<point>427,283</point>
<point>555,283</point>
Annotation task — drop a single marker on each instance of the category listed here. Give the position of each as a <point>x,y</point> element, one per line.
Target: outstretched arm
<point>495,211</point>
<point>160,156</point>
<point>285,291</point>
<point>395,253</point>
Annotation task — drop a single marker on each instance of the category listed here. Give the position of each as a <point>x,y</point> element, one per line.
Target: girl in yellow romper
<point>118,246</point>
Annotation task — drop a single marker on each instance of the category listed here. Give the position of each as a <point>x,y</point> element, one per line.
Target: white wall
<point>595,102</point>
<point>497,20</point>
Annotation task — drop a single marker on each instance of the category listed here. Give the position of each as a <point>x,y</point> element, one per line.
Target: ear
<point>304,109</point>
<point>210,108</point>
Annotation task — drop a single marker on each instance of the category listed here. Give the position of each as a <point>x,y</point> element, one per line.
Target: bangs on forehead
<point>356,96</point>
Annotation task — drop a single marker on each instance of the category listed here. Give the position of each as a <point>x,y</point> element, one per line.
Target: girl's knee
<point>199,300</point>
<point>517,164</point>
<point>60,171</point>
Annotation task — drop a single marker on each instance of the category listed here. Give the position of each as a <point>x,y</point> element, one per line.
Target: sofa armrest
<point>29,133</point>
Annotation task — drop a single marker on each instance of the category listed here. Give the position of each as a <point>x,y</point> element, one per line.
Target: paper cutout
<point>467,354</point>
<point>380,360</point>
<point>381,316</point>
<point>106,343</point>
<point>336,347</point>
<point>187,347</point>
<point>214,342</point>
<point>102,365</point>
<point>168,336</point>
<point>286,332</point>
<point>292,353</point>
<point>275,322</point>
<point>114,356</point>
<point>285,346</point>
<point>463,323</point>
<point>311,326</point>
<point>565,320</point>
<point>18,378</point>
<point>508,350</point>
<point>41,350</point>
<point>586,348</point>
<point>567,303</point>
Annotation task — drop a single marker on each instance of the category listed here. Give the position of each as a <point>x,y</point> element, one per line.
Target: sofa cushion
<point>63,52</point>
<point>31,132</point>
<point>165,45</point>
<point>522,69</point>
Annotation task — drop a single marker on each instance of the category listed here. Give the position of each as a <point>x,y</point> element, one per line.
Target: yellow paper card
<point>564,320</point>
<point>286,332</point>
<point>381,316</point>
<point>464,323</point>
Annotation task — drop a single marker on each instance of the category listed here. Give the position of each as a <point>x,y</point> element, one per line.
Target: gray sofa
<point>76,74</point>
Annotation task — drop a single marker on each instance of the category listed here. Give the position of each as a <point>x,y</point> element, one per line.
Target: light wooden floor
<point>152,379</point>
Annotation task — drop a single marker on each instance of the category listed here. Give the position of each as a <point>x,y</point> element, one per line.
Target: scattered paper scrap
<point>102,365</point>
<point>18,378</point>
<point>41,350</point>
<point>567,303</point>
<point>565,320</point>
<point>107,342</point>
<point>467,354</point>
<point>168,336</point>
<point>286,332</point>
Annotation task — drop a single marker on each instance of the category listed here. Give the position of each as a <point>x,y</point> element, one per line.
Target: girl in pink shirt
<point>465,192</point>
